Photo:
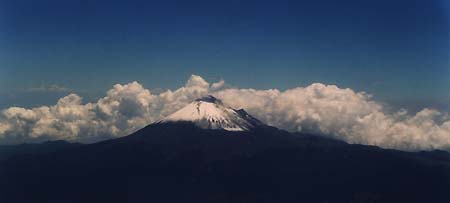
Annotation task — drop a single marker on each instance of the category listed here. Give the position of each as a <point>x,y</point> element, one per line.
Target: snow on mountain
<point>210,113</point>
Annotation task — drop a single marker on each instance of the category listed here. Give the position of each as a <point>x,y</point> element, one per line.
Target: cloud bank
<point>318,108</point>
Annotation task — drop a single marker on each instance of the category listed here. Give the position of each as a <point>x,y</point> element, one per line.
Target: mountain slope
<point>180,162</point>
<point>9,151</point>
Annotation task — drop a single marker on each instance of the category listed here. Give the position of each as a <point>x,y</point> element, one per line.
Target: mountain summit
<point>210,113</point>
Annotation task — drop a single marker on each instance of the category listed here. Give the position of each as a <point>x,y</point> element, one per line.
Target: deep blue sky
<point>397,50</point>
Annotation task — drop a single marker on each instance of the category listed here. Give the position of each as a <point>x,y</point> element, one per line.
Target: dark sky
<point>397,50</point>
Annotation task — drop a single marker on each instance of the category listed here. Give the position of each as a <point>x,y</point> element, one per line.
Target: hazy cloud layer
<point>325,109</point>
<point>49,88</point>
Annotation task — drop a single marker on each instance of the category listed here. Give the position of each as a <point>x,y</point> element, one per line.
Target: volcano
<point>210,152</point>
<point>210,113</point>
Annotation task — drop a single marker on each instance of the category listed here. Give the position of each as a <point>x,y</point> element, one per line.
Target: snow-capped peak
<point>210,113</point>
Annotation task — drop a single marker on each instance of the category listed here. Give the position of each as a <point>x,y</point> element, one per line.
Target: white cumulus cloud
<point>318,108</point>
